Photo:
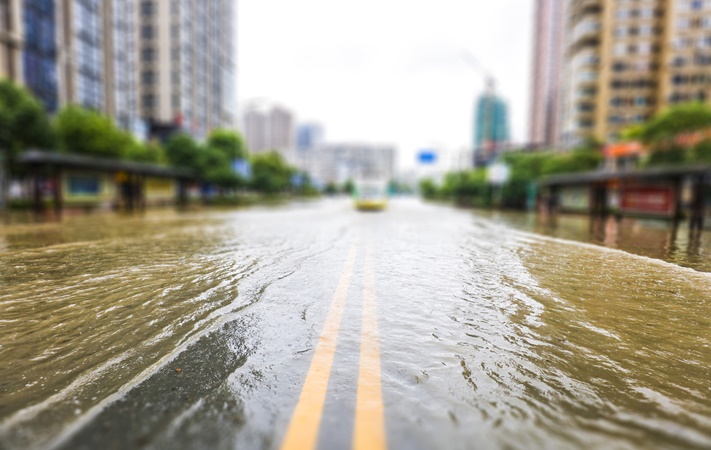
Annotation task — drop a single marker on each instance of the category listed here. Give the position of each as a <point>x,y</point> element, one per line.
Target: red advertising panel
<point>657,200</point>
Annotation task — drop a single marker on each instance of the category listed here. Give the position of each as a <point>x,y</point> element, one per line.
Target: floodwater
<point>495,330</point>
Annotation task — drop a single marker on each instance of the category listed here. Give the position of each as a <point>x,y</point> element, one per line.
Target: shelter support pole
<point>36,189</point>
<point>58,189</point>
<point>698,203</point>
<point>676,193</point>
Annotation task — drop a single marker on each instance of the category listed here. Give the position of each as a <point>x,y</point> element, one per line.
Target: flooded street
<point>451,329</point>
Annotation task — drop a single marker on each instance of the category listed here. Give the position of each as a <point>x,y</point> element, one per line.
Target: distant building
<point>548,44</point>
<point>281,129</point>
<point>308,136</point>
<point>337,163</point>
<point>269,127</point>
<point>256,130</point>
<point>491,125</point>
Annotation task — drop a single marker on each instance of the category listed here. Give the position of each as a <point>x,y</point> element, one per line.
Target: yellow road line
<point>304,427</point>
<point>369,433</point>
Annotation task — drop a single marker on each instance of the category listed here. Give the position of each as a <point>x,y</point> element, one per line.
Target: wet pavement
<point>420,327</point>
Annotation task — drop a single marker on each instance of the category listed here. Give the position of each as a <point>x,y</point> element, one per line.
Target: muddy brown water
<point>497,330</point>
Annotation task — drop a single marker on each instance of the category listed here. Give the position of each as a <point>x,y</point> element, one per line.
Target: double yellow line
<point>369,432</point>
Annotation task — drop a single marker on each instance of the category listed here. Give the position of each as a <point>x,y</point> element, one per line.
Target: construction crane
<point>488,123</point>
<point>474,63</point>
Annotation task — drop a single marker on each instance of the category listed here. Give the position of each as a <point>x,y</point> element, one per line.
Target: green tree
<point>330,188</point>
<point>579,160</point>
<point>215,167</point>
<point>467,187</point>
<point>668,156</point>
<point>229,142</point>
<point>87,132</point>
<point>270,173</point>
<point>680,119</point>
<point>23,122</point>
<point>182,151</point>
<point>701,153</point>
<point>149,152</point>
<point>348,187</point>
<point>429,189</point>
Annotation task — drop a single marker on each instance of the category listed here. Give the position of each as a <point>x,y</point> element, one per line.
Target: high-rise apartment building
<point>121,63</point>
<point>281,122</point>
<point>628,60</point>
<point>548,39</point>
<point>187,64</point>
<point>82,53</point>
<point>269,128</point>
<point>10,39</point>
<point>28,47</point>
<point>256,130</point>
<point>73,52</point>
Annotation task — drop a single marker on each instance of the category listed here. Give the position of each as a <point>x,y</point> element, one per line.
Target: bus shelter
<point>71,180</point>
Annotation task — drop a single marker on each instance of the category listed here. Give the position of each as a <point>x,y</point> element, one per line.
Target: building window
<point>147,8</point>
<point>148,77</point>
<point>147,31</point>
<point>148,55</point>
<point>149,101</point>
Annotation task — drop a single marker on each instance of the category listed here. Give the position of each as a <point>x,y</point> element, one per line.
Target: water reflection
<point>675,242</point>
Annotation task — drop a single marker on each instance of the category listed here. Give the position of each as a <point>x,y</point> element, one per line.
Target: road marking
<point>369,433</point>
<point>305,423</point>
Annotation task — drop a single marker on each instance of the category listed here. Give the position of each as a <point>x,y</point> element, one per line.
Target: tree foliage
<point>149,152</point>
<point>525,169</point>
<point>348,187</point>
<point>229,142</point>
<point>429,189</point>
<point>182,151</point>
<point>677,120</point>
<point>270,173</point>
<point>23,122</point>
<point>579,160</point>
<point>702,152</point>
<point>86,132</point>
<point>216,168</point>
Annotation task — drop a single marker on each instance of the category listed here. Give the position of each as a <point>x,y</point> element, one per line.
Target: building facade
<point>169,63</point>
<point>548,39</point>
<point>28,47</point>
<point>628,60</point>
<point>82,53</point>
<point>121,63</point>
<point>11,37</point>
<point>186,64</point>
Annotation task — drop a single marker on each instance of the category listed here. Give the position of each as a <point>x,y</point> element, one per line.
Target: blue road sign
<point>427,157</point>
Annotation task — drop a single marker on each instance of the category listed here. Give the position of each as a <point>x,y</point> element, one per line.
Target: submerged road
<point>311,325</point>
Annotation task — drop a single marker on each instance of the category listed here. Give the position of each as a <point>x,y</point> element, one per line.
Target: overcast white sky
<point>386,71</point>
